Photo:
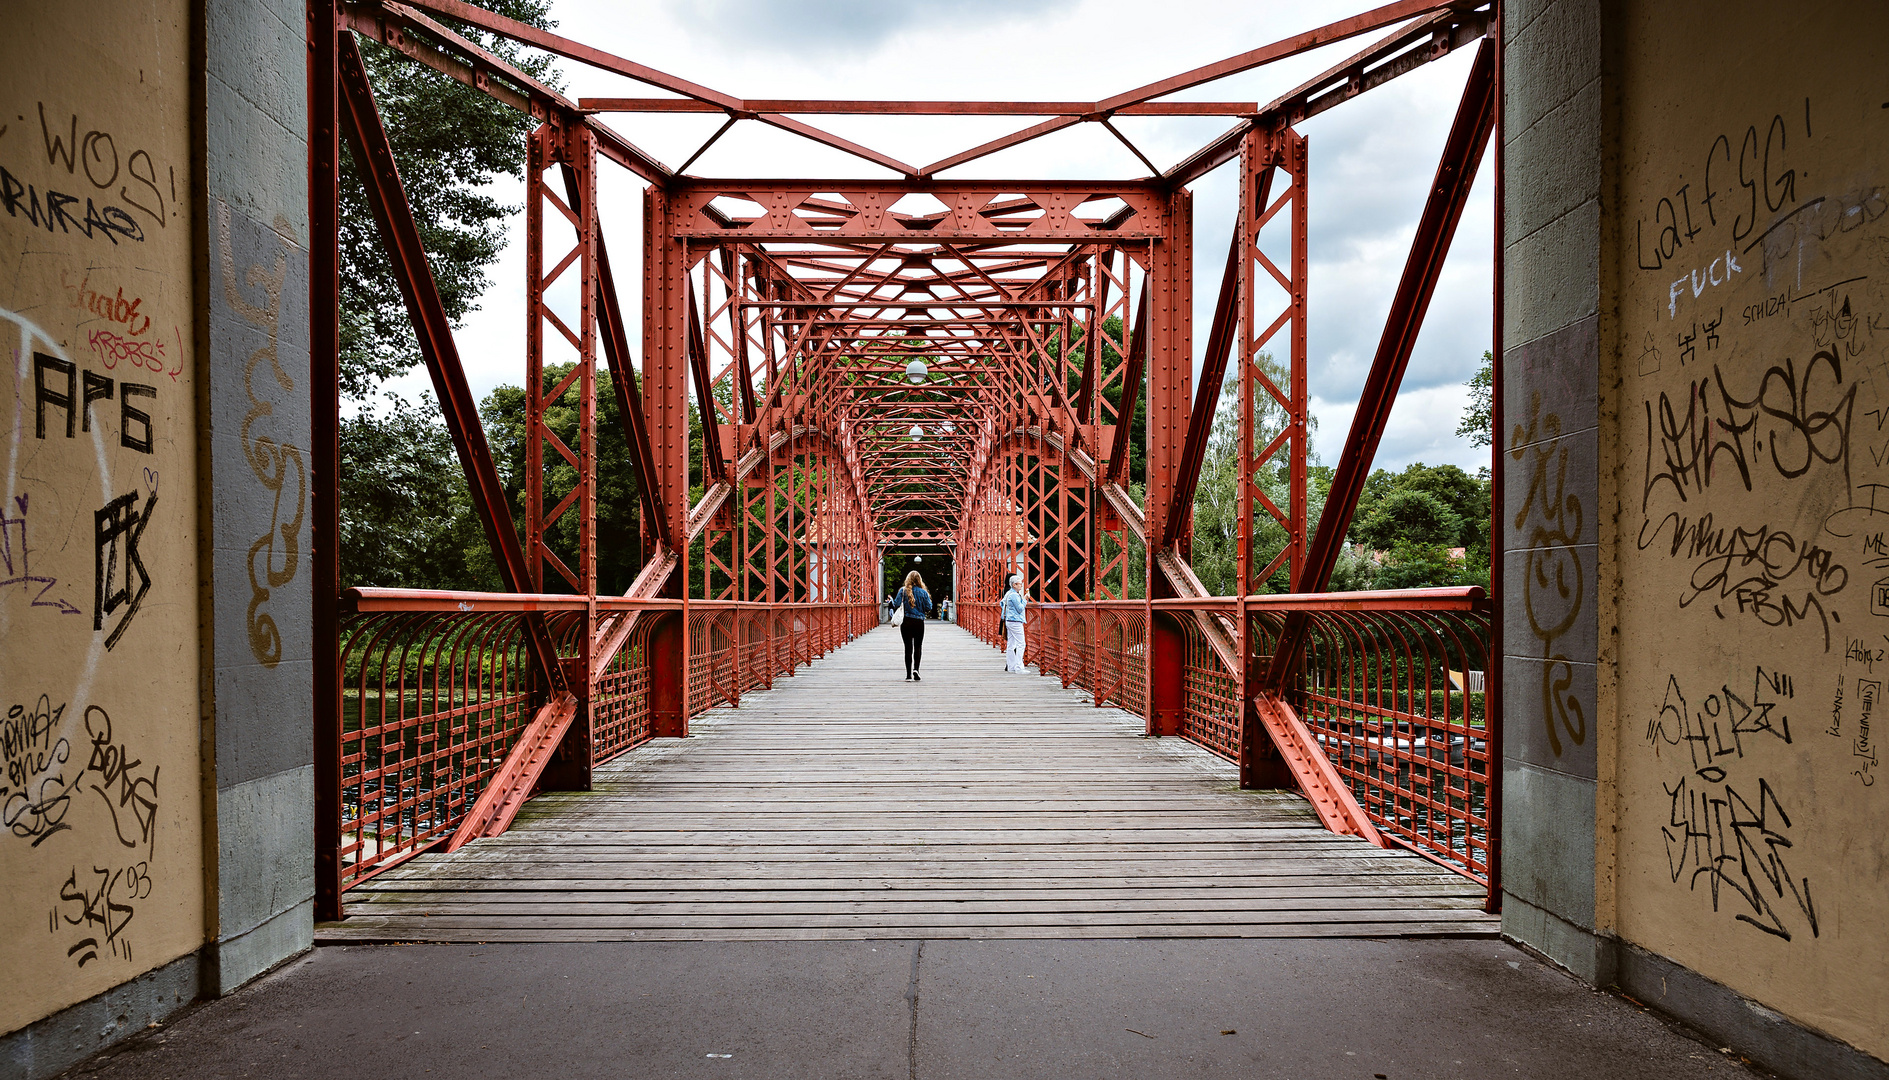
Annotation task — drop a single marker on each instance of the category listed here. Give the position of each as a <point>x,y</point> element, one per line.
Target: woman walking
<point>917,603</point>
<point>1014,604</point>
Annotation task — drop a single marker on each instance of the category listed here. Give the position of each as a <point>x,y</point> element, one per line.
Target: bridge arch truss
<point>830,366</point>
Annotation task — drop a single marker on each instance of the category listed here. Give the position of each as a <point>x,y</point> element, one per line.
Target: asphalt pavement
<point>1297,1009</point>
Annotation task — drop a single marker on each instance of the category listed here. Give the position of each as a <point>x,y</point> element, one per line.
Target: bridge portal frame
<point>747,312</point>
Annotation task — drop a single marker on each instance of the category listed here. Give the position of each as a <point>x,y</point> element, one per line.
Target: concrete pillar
<point>1553,142</point>
<point>156,475</point>
<point>1695,230</point>
<point>256,599</point>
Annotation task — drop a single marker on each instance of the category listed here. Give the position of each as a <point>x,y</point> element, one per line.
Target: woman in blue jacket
<point>912,629</point>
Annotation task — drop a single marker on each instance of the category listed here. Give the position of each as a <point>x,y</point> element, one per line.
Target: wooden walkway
<point>846,803</point>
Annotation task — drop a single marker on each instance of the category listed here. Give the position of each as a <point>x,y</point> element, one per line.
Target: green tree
<point>1408,516</point>
<point>1478,416</point>
<point>1466,496</point>
<point>1414,565</point>
<point>1355,571</point>
<point>619,507</point>
<point>406,519</point>
<point>449,142</point>
<point>1215,546</point>
<point>1377,487</point>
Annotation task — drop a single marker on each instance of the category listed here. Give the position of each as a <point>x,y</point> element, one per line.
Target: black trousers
<point>912,632</point>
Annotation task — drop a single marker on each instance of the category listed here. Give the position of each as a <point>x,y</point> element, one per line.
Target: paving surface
<point>1346,1009</point>
<point>976,876</point>
<point>849,803</point>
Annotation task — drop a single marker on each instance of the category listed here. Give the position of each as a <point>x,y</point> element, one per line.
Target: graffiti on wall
<point>1548,524</point>
<point>1757,513</point>
<point>46,776</point>
<point>100,707</point>
<point>275,556</point>
<point>1726,830</point>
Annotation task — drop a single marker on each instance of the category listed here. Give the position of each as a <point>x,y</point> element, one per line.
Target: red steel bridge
<point>850,366</point>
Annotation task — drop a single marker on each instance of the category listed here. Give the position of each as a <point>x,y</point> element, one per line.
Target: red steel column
<point>324,381</point>
<point>1261,153</point>
<point>536,161</point>
<point>1297,160</point>
<point>1492,685</point>
<point>1284,150</point>
<point>581,152</point>
<point>569,769</point>
<point>665,384</point>
<point>1170,377</point>
<point>1254,194</point>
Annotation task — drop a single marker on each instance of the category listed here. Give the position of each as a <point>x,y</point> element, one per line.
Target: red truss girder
<point>782,314</point>
<point>828,332</point>
<point>1263,203</point>
<point>974,210</point>
<point>360,121</point>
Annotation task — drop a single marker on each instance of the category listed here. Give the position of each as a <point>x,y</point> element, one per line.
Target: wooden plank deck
<point>847,803</point>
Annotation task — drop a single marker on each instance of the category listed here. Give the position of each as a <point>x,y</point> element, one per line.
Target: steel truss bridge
<point>917,360</point>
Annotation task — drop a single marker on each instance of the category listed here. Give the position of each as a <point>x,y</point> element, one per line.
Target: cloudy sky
<point>1372,158</point>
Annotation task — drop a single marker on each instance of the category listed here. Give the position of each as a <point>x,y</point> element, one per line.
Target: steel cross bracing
<point>832,368</point>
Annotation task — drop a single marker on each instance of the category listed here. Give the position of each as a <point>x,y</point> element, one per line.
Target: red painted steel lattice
<point>620,701</point>
<point>829,370</point>
<point>431,703</point>
<point>1214,701</point>
<point>1411,740</point>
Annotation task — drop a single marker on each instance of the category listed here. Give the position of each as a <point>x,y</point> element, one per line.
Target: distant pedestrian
<point>1014,604</point>
<point>917,604</point>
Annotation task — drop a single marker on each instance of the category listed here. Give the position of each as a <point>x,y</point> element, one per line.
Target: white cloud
<point>837,27</point>
<point>1422,428</point>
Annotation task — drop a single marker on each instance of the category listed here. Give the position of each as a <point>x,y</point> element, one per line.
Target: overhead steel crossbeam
<point>831,368</point>
<point>1448,18</point>
<point>839,322</point>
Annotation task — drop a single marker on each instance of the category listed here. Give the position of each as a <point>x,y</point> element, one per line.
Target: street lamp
<point>915,372</point>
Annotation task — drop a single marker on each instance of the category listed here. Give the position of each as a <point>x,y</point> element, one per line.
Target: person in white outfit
<point>1014,605</point>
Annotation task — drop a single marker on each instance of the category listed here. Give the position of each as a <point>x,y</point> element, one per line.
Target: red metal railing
<point>431,704</point>
<point>1413,744</point>
<point>714,661</point>
<point>1100,647</point>
<point>1214,704</point>
<point>619,703</point>
<point>437,687</point>
<point>737,646</point>
<point>1373,685</point>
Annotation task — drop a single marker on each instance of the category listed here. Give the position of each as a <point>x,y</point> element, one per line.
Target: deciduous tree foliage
<point>1478,415</point>
<point>1401,534</point>
<point>1408,522</point>
<point>1215,552</point>
<point>619,545</point>
<point>449,142</point>
<point>406,518</point>
<point>1409,515</point>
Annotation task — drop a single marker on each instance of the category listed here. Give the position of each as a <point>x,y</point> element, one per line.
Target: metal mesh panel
<point>620,702</point>
<point>1212,718</point>
<point>430,706</point>
<point>1385,692</point>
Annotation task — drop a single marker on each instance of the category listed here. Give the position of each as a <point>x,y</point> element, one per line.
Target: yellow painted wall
<point>101,865</point>
<point>1750,455</point>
